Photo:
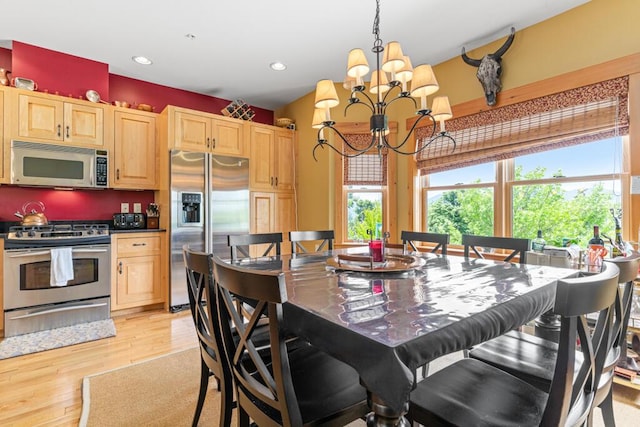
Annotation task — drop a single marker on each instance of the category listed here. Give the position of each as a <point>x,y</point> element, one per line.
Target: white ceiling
<point>235,41</point>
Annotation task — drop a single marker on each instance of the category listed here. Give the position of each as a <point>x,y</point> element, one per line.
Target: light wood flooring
<point>45,389</point>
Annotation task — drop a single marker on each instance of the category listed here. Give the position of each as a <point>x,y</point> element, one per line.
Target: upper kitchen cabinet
<point>192,130</point>
<point>135,150</point>
<point>50,118</point>
<point>271,161</point>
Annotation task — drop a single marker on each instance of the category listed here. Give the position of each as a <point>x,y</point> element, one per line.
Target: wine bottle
<point>596,240</point>
<point>537,244</point>
<point>618,244</point>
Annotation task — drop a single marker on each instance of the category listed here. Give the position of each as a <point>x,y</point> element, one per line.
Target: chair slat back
<point>204,311</point>
<point>628,273</point>
<point>517,246</point>
<point>260,376</point>
<point>440,239</point>
<point>240,243</point>
<point>573,387</point>
<point>325,237</point>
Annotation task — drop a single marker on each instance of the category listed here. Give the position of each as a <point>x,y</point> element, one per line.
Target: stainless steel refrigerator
<point>209,200</point>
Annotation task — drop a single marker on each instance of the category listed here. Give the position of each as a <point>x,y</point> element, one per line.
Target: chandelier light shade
<point>393,73</point>
<point>379,82</point>
<point>441,110</point>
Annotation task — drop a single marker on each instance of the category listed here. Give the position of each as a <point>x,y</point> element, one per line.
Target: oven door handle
<point>95,251</point>
<point>30,254</point>
<point>58,310</point>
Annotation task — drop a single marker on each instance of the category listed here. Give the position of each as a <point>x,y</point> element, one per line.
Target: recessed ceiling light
<point>142,60</point>
<point>278,66</point>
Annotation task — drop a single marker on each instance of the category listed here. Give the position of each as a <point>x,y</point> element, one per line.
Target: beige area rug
<point>164,391</point>
<point>158,392</point>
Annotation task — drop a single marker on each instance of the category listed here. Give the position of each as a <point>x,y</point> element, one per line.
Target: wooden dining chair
<point>241,243</point>
<point>296,387</point>
<point>471,392</point>
<point>533,358</point>
<point>518,247</point>
<point>205,317</point>
<point>323,238</point>
<point>411,238</point>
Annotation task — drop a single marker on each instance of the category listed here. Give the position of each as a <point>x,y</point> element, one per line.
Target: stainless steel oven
<point>31,302</point>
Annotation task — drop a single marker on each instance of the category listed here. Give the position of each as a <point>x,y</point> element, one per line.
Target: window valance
<point>571,117</point>
<point>366,169</point>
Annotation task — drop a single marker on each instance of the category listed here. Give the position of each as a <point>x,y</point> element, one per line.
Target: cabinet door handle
<point>120,267</point>
<point>208,143</point>
<point>139,244</point>
<point>276,181</point>
<point>272,181</point>
<point>67,128</point>
<point>59,130</point>
<point>213,145</point>
<point>117,173</point>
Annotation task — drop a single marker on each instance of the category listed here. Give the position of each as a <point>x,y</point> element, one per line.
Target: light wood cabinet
<point>273,212</point>
<point>136,278</point>
<point>272,154</point>
<point>50,118</point>
<point>4,141</point>
<point>193,130</point>
<point>135,153</point>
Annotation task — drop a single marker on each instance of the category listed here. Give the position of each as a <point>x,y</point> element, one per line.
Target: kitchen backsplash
<point>71,205</point>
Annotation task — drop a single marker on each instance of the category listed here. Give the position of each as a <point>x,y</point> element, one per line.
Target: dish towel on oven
<point>61,266</point>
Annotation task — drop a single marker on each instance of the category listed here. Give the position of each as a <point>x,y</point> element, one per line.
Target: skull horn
<point>470,61</point>
<point>506,45</point>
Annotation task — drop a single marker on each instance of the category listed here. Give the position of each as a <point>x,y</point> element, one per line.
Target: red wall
<point>58,72</point>
<point>139,92</point>
<point>61,205</point>
<point>72,76</point>
<point>5,59</point>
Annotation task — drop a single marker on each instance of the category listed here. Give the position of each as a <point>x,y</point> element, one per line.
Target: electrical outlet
<point>124,207</point>
<point>137,208</point>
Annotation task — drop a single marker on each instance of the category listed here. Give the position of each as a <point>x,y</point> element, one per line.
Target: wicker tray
<point>392,263</point>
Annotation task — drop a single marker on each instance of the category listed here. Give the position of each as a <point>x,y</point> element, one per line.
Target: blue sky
<point>599,157</point>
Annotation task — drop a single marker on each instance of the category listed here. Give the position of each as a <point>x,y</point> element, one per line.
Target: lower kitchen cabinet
<point>136,278</point>
<point>2,287</point>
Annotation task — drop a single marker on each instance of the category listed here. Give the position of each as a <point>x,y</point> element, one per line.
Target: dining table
<point>388,319</point>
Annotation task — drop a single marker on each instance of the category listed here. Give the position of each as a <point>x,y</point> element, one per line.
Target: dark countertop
<point>136,230</point>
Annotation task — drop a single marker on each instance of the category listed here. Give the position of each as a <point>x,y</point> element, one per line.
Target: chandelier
<point>392,77</point>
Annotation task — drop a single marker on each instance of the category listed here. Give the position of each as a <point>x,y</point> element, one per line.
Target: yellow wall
<point>596,32</point>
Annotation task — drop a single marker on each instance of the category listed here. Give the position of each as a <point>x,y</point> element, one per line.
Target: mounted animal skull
<point>490,68</point>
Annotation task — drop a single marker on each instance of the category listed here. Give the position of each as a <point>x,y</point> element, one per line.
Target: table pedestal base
<point>383,416</point>
<point>547,326</point>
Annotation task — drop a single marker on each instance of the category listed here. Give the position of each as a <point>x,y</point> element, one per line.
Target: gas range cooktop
<point>56,235</point>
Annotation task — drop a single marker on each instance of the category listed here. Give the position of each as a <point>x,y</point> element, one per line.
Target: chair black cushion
<point>464,393</point>
<point>526,356</point>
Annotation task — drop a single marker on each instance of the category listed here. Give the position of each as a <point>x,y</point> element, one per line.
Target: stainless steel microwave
<point>54,165</point>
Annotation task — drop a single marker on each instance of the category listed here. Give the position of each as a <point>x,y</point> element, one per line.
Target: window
<point>364,212</point>
<point>558,167</point>
<point>364,187</point>
<point>461,201</point>
<point>563,193</point>
<point>566,192</point>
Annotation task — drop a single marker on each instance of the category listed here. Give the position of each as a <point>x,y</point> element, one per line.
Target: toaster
<point>128,221</point>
